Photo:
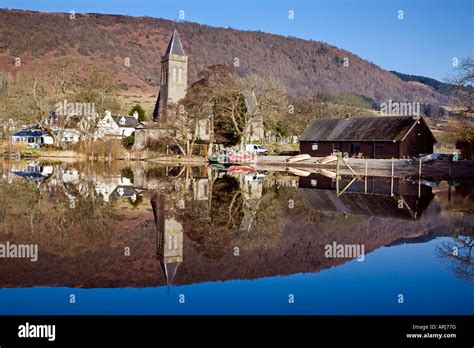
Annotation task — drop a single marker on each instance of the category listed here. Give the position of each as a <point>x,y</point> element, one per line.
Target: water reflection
<point>138,224</point>
<point>458,253</point>
<point>396,198</point>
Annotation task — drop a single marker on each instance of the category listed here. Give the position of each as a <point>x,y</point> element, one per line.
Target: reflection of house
<point>115,186</point>
<point>116,125</point>
<point>169,234</point>
<point>371,197</point>
<point>373,137</point>
<point>125,192</point>
<point>33,137</point>
<point>33,171</point>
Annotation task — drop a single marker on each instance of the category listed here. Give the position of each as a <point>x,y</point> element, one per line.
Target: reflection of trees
<point>210,226</point>
<point>267,226</point>
<point>43,215</point>
<point>459,254</point>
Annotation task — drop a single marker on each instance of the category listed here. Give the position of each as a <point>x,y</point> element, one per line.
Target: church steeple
<point>174,77</point>
<point>175,46</point>
<point>169,238</point>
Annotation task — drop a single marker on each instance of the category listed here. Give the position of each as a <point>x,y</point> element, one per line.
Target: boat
<point>298,158</point>
<point>242,169</point>
<point>328,173</point>
<point>297,172</point>
<point>327,159</point>
<point>219,167</point>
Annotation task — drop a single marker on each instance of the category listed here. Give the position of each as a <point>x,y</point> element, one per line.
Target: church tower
<point>174,77</point>
<point>169,238</point>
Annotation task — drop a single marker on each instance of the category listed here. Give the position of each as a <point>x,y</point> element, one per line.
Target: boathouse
<point>368,137</point>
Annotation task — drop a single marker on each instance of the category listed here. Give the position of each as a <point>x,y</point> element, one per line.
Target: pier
<point>398,168</point>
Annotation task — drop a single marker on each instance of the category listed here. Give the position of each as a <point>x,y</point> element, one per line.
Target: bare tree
<point>463,87</point>
<point>459,254</point>
<point>40,87</point>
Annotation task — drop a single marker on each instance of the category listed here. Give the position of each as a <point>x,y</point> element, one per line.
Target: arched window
<point>174,74</point>
<point>180,75</point>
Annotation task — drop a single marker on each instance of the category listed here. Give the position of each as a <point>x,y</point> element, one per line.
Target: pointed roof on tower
<point>169,271</point>
<point>175,46</point>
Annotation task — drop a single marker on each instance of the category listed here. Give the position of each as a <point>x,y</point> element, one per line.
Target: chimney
<point>135,115</point>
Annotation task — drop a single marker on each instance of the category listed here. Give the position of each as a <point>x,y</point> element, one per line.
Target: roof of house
<point>175,46</point>
<point>125,121</point>
<point>124,191</point>
<point>382,128</point>
<point>30,133</point>
<point>150,125</point>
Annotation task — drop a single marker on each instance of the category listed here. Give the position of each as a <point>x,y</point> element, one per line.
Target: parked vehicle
<point>258,149</point>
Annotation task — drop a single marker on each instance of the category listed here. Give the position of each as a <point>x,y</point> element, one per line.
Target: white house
<point>33,137</point>
<point>71,135</point>
<point>116,125</point>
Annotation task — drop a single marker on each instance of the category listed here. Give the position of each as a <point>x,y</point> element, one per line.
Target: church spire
<point>174,78</point>
<point>175,46</point>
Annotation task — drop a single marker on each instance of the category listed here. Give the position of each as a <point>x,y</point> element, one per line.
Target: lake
<point>142,238</point>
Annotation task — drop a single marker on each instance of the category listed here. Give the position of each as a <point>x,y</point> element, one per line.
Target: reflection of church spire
<point>169,271</point>
<point>169,233</point>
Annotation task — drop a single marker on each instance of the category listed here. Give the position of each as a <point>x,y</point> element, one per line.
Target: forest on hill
<point>304,67</point>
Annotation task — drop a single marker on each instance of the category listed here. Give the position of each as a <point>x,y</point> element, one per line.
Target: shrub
<point>140,110</point>
<point>129,141</point>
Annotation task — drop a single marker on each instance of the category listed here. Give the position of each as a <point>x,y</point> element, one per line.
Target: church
<point>173,88</point>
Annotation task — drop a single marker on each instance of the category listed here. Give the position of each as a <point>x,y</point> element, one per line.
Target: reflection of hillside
<point>189,232</point>
<point>297,251</point>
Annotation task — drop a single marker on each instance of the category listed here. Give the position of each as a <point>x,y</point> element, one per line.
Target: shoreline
<point>439,169</point>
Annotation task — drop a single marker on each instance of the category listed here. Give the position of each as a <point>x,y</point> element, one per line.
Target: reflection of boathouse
<point>169,233</point>
<point>370,196</point>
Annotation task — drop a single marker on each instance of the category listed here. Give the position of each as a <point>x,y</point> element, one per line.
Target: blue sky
<point>424,42</point>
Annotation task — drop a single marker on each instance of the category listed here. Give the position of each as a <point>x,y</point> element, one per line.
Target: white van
<point>258,149</point>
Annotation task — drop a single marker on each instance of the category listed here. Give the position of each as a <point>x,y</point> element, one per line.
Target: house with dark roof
<point>369,137</point>
<point>32,137</point>
<point>116,125</point>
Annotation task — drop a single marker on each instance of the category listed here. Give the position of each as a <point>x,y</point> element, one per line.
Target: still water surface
<point>149,239</point>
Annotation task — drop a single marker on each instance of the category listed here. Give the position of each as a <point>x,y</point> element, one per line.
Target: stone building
<point>174,77</point>
<point>173,87</point>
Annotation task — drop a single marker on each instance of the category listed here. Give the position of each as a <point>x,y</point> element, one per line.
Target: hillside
<point>303,66</point>
<point>441,87</point>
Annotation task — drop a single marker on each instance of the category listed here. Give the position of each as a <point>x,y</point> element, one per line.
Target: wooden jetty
<point>399,168</point>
